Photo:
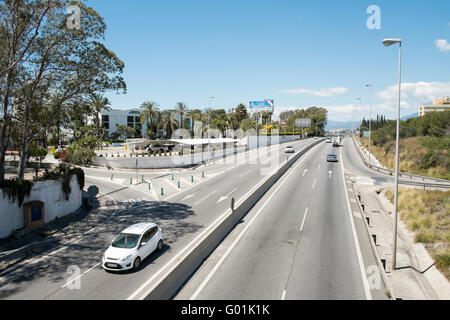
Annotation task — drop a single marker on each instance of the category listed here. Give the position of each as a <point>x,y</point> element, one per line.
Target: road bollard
<point>368,221</point>
<point>131,180</point>
<point>383,262</point>
<point>173,177</point>
<point>192,178</point>
<point>162,191</point>
<point>179,186</point>
<point>203,174</point>
<point>142,178</point>
<point>111,177</point>
<point>374,236</point>
<point>149,186</point>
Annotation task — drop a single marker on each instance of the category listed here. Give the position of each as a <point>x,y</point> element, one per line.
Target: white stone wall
<point>49,192</point>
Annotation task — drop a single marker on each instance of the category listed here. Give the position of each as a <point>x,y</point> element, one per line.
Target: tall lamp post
<point>387,43</point>
<point>209,127</point>
<point>370,118</point>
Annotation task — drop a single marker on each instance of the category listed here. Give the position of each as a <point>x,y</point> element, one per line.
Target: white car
<point>328,140</point>
<point>289,149</point>
<point>132,246</point>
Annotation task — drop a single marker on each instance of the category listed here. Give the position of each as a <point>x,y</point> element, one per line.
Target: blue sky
<point>286,50</point>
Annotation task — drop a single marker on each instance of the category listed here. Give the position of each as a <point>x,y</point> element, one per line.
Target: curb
<point>374,249</point>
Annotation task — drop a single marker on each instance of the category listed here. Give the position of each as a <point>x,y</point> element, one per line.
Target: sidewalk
<point>416,277</point>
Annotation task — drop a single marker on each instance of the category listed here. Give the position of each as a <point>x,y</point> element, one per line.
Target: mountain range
<point>336,125</point>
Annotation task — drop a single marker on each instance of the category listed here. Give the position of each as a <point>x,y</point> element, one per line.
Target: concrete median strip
<point>166,282</point>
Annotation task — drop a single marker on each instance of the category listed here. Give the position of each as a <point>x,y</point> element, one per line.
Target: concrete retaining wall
<point>170,283</point>
<point>49,192</point>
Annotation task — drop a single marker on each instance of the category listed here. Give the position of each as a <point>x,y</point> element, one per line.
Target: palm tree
<point>150,113</point>
<point>170,124</point>
<point>98,103</point>
<point>182,109</point>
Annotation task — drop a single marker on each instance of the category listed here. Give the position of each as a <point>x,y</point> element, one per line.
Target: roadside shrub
<point>57,154</point>
<point>16,189</point>
<point>442,260</point>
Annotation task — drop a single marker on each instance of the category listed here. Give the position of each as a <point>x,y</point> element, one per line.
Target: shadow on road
<point>84,242</point>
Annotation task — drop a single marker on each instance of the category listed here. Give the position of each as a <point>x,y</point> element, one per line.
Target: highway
<point>301,241</point>
<point>182,215</point>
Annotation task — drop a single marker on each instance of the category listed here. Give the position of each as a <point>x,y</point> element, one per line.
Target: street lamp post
<point>370,118</point>
<point>360,106</point>
<point>387,43</point>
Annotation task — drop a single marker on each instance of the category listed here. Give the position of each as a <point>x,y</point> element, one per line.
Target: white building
<point>131,118</point>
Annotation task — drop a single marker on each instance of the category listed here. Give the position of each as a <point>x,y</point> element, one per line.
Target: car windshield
<point>126,241</point>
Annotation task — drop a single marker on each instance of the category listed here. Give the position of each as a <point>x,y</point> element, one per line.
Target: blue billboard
<point>267,105</point>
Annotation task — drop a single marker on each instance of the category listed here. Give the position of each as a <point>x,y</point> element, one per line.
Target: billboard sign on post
<point>266,105</point>
<point>303,123</point>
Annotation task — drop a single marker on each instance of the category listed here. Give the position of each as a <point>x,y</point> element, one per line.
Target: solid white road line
<point>355,236</point>
<point>71,281</point>
<point>235,242</point>
<point>283,296</point>
<point>314,184</point>
<point>203,199</point>
<point>304,219</point>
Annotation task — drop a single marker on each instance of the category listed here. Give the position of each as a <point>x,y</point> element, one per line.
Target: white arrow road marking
<point>209,195</point>
<point>330,173</point>
<point>223,198</point>
<point>306,170</point>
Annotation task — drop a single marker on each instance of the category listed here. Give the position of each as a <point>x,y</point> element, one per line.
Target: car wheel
<point>136,263</point>
<point>160,245</point>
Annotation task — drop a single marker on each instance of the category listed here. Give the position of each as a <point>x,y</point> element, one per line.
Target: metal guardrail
<point>441,182</point>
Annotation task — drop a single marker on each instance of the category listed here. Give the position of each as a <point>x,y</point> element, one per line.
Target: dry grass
<point>411,154</point>
<point>427,214</point>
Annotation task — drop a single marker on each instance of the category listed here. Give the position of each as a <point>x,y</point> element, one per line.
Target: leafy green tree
<point>170,124</point>
<point>241,113</point>
<point>151,116</point>
<point>21,24</point>
<point>125,131</point>
<point>181,109</point>
<point>71,61</point>
<point>99,103</point>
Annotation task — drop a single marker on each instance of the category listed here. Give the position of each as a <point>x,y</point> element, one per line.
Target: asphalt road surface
<point>72,268</point>
<point>300,241</point>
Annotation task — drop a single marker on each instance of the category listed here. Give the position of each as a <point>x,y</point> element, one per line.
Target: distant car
<point>332,158</point>
<point>328,140</point>
<point>289,149</point>
<point>132,246</point>
<point>157,148</point>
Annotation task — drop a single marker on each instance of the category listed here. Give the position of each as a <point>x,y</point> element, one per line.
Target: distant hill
<point>335,125</point>
<point>414,115</point>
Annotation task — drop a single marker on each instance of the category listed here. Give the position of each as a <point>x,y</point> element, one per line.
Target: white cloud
<point>328,92</point>
<point>415,94</point>
<point>442,45</point>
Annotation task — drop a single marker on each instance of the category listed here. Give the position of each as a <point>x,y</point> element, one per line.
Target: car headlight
<point>127,258</point>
